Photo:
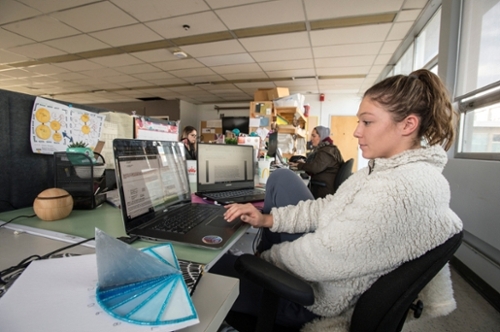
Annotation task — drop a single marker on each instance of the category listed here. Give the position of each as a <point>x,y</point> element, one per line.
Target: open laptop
<point>226,173</point>
<point>152,180</point>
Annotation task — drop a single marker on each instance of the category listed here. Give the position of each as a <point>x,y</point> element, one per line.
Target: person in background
<point>322,164</point>
<point>392,211</point>
<point>189,136</point>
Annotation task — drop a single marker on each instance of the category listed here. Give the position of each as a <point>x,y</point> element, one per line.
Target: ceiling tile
<point>262,14</point>
<point>178,64</point>
<point>408,15</point>
<point>240,68</point>
<point>292,73</point>
<point>283,65</point>
<point>343,71</point>
<point>412,4</point>
<point>15,11</point>
<point>229,59</point>
<point>158,9</point>
<point>76,44</point>
<point>116,60</point>
<point>48,6</point>
<point>46,69</point>
<point>351,35</point>
<point>41,28</point>
<point>132,34</point>
<point>279,55</point>
<point>351,61</point>
<point>137,69</point>
<point>155,56</point>
<point>196,72</point>
<point>322,9</point>
<point>79,65</point>
<point>342,50</point>
<point>153,76</point>
<point>216,48</point>
<point>382,59</point>
<point>201,23</point>
<point>101,72</point>
<point>390,47</point>
<point>9,57</point>
<point>399,30</point>
<point>36,51</point>
<point>279,42</point>
<point>95,17</point>
<point>248,76</point>
<point>10,39</point>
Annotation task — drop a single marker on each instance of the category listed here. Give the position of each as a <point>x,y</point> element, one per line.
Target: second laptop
<point>226,173</point>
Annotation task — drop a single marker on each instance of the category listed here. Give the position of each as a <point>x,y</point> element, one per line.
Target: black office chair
<point>382,308</point>
<point>345,171</point>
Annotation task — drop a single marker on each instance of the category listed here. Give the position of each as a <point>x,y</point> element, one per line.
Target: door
<point>341,132</point>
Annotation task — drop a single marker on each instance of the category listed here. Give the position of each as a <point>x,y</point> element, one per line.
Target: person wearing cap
<point>322,164</point>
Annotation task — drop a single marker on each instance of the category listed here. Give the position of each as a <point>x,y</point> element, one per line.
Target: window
<point>478,81</point>
<point>427,43</point>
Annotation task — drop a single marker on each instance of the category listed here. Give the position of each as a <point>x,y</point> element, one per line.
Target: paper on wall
<point>54,126</point>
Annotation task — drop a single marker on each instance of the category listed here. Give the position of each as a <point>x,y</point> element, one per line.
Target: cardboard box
<point>261,95</point>
<point>277,93</point>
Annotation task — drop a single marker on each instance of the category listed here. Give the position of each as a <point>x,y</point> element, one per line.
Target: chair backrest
<point>384,306</point>
<point>345,171</point>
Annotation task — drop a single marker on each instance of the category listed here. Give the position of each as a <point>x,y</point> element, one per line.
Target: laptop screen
<point>151,176</point>
<point>225,167</point>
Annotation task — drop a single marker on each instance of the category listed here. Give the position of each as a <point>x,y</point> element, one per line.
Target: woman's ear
<point>410,124</point>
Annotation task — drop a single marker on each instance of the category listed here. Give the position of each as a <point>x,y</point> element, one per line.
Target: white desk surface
<point>213,297</point>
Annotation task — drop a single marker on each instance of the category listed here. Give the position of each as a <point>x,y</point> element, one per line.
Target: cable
<point>8,275</point>
<point>7,222</point>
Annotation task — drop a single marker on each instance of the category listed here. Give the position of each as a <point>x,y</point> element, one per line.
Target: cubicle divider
<point>23,174</point>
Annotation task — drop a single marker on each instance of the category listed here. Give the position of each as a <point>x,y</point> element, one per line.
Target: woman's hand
<point>249,214</point>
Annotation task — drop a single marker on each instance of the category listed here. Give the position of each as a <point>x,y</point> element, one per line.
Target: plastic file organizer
<point>82,177</point>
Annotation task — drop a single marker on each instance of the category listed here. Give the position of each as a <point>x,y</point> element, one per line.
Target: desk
<point>81,224</point>
<point>214,295</point>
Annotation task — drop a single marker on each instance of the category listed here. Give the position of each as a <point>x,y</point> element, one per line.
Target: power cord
<point>8,276</point>
<point>8,222</point>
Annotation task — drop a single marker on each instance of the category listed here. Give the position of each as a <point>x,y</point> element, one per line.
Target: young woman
<point>390,212</point>
<point>189,136</point>
<point>322,164</point>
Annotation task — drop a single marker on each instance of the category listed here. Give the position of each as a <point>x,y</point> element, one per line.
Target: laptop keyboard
<point>185,219</point>
<point>234,193</point>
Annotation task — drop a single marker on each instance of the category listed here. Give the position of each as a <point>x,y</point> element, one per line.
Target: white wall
<point>189,116</point>
<point>335,105</point>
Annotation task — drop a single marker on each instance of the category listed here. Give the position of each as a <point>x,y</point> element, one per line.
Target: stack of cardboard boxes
<point>264,114</point>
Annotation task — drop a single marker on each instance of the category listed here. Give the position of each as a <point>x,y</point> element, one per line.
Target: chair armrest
<point>274,279</point>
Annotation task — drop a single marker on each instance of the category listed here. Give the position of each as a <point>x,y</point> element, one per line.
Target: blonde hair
<point>421,93</point>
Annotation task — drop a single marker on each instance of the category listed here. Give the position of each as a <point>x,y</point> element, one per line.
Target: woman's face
<point>377,133</point>
<point>315,139</point>
<point>192,137</point>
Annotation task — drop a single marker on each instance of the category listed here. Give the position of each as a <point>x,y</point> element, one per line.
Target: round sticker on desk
<point>212,239</point>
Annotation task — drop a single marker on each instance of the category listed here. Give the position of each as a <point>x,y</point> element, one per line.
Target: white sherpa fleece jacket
<point>393,211</point>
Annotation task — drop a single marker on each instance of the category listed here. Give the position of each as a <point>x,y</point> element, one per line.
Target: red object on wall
<point>321,97</point>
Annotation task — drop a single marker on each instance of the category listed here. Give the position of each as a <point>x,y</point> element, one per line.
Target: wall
<point>189,115</point>
<point>156,108</point>
<point>474,184</point>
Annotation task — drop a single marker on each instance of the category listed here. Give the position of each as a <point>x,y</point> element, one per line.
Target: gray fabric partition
<point>23,174</point>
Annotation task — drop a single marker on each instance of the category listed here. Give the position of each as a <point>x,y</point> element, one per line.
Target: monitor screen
<point>239,122</point>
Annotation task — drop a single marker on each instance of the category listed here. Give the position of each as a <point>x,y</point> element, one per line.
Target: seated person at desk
<point>322,164</point>
<point>189,139</point>
<point>392,211</point>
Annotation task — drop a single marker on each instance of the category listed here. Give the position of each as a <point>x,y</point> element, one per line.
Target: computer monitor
<point>273,150</point>
<point>236,122</point>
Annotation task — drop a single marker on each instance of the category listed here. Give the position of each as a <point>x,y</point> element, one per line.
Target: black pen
<point>195,284</point>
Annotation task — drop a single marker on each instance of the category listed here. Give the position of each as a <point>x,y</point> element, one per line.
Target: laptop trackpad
<point>219,221</point>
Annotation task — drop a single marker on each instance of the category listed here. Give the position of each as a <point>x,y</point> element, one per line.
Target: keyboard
<point>234,194</point>
<point>184,219</point>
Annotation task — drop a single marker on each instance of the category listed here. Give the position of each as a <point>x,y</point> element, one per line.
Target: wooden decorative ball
<point>53,204</point>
